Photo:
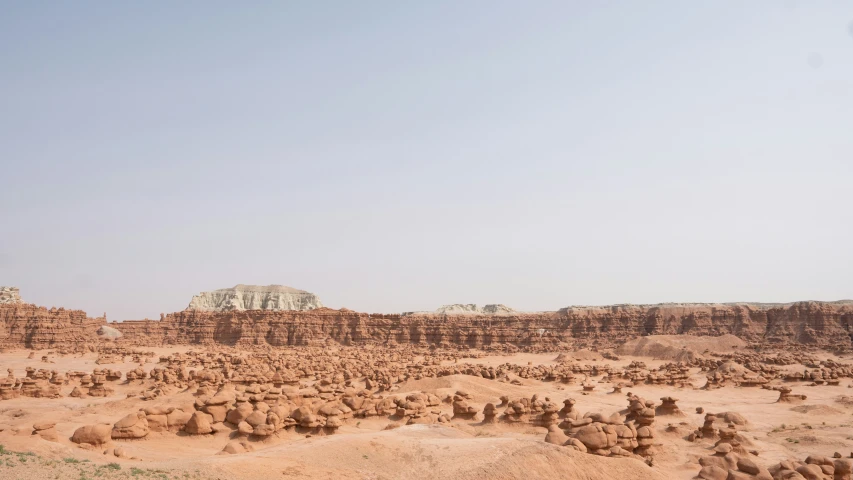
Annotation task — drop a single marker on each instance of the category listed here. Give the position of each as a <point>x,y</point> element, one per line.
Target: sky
<point>395,156</point>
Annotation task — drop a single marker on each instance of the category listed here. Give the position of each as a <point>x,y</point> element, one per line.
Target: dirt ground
<point>365,449</point>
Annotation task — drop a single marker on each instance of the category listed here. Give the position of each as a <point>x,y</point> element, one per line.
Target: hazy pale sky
<point>394,156</point>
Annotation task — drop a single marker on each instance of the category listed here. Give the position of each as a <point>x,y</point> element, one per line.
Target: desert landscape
<point>264,382</point>
<point>477,240</point>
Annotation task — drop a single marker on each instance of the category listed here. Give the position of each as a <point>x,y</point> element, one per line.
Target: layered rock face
<point>317,327</point>
<point>821,324</point>
<point>9,295</point>
<point>24,325</point>
<point>815,323</point>
<point>253,297</point>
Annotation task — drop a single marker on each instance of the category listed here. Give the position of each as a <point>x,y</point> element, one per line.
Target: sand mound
<point>679,347</point>
<point>817,410</point>
<point>440,452</point>
<point>482,390</point>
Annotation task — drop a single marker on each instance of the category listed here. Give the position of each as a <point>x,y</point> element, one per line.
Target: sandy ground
<point>364,449</point>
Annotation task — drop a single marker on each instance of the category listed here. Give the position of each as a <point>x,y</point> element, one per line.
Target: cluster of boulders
<point>673,374</point>
<point>42,383</point>
<point>383,370</point>
<point>534,410</point>
<point>461,406</point>
<point>748,369</point>
<point>815,467</point>
<point>730,457</point>
<point>255,395</point>
<point>726,464</point>
<point>423,408</point>
<point>39,383</point>
<point>755,369</point>
<point>258,411</point>
<point>732,373</point>
<point>631,435</point>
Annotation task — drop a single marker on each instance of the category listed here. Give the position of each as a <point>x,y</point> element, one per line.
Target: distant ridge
<point>756,305</point>
<point>255,297</point>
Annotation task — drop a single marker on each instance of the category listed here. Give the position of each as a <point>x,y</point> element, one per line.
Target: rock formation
<point>108,332</point>
<point>9,295</point>
<point>134,425</point>
<point>92,434</point>
<point>254,297</point>
<point>29,326</point>
<point>460,308</point>
<point>822,324</point>
<point>46,431</point>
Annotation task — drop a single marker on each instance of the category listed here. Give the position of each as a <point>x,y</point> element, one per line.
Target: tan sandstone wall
<point>813,323</point>
<point>820,324</point>
<point>24,325</point>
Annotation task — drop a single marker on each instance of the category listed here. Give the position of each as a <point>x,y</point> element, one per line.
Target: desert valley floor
<point>443,434</point>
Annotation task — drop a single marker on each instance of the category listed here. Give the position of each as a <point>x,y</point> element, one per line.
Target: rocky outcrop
<point>253,297</point>
<point>9,295</point>
<point>317,327</point>
<point>467,309</point>
<point>460,309</point>
<point>815,323</point>
<point>24,325</point>
<point>260,327</point>
<point>821,324</point>
<point>108,332</point>
<point>92,434</point>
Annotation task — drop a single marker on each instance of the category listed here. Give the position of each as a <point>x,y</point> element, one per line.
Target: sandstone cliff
<point>9,295</point>
<point>253,297</point>
<point>24,325</point>
<point>820,324</point>
<point>815,323</point>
